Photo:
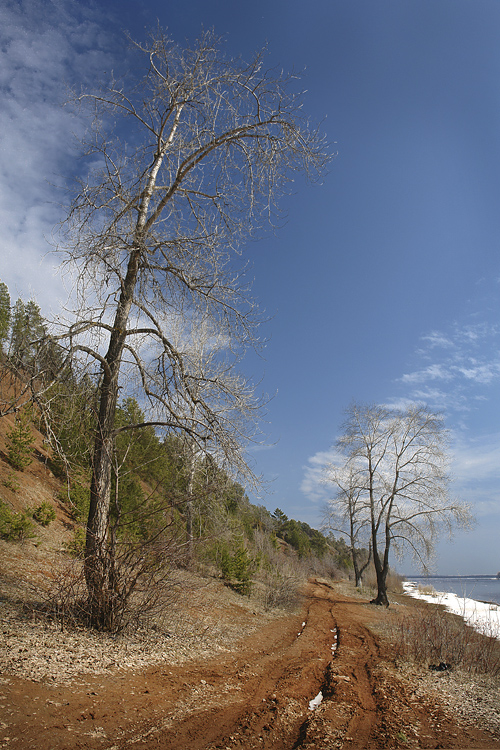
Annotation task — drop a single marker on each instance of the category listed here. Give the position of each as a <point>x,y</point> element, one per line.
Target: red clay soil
<point>254,697</point>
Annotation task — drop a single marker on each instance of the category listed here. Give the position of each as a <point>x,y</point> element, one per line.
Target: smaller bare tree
<point>396,465</point>
<point>347,514</point>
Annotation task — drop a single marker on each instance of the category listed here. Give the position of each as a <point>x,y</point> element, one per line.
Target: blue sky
<point>382,284</point>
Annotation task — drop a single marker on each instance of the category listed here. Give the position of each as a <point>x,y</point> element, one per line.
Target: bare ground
<point>245,681</point>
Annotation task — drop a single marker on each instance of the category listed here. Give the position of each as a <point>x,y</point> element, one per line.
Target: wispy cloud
<point>476,471</point>
<point>432,372</point>
<point>461,361</point>
<point>459,368</point>
<point>459,372</point>
<point>44,47</point>
<point>313,483</point>
<point>437,339</point>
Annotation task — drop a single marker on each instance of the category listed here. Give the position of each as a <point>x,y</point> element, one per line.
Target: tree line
<point>169,507</point>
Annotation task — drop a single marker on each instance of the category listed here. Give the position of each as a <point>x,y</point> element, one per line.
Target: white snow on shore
<point>482,616</point>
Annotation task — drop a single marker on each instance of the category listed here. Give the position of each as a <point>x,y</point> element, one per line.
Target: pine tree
<point>27,327</point>
<point>5,315</point>
<point>20,441</point>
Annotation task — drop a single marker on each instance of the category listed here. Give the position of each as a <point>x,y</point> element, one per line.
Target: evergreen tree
<point>5,314</point>
<point>27,328</point>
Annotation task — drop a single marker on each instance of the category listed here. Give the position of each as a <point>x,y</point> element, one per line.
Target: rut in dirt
<point>271,707</point>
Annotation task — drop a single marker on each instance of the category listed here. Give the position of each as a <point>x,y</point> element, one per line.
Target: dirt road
<point>256,697</point>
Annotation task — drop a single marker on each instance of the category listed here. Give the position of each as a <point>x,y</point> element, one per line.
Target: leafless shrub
<point>282,581</point>
<point>394,583</point>
<point>434,636</point>
<point>64,600</point>
<point>427,590</point>
<point>144,589</point>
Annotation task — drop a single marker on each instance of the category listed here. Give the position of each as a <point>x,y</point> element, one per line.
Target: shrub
<point>15,526</point>
<point>78,497</point>
<point>281,589</point>
<point>427,590</point>
<point>11,483</point>
<point>44,514</point>
<point>236,566</point>
<point>433,636</point>
<point>243,567</point>
<point>226,564</point>
<point>76,546</point>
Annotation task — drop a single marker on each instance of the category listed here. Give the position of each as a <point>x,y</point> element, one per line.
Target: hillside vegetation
<point>171,507</point>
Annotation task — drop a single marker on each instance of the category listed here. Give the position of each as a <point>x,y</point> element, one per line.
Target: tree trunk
<point>381,597</point>
<point>359,570</point>
<point>98,553</point>
<point>357,574</point>
<point>381,569</point>
<point>189,507</point>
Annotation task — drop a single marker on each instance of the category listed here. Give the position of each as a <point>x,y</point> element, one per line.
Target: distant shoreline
<point>484,576</point>
<point>483,615</point>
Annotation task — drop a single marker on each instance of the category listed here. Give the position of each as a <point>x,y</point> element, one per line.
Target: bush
<point>44,514</point>
<point>433,636</point>
<point>281,589</point>
<point>15,527</point>
<point>11,483</point>
<point>236,566</point>
<point>76,546</point>
<point>243,567</point>
<point>78,497</point>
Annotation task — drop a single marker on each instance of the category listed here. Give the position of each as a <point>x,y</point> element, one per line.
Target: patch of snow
<point>335,637</point>
<point>315,701</point>
<point>482,616</point>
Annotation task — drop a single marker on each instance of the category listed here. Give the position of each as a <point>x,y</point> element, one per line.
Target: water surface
<point>482,588</point>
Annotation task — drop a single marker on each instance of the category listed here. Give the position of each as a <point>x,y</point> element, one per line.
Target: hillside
<point>28,567</point>
<point>181,513</point>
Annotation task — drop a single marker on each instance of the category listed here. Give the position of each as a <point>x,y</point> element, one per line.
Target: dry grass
<point>431,636</point>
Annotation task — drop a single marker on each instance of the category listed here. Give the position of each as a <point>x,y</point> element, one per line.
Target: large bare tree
<point>187,160</point>
<point>398,468</point>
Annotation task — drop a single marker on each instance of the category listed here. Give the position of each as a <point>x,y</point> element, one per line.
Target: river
<point>482,588</point>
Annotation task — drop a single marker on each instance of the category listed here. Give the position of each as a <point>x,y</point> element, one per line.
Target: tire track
<point>273,703</point>
<point>273,712</point>
<point>257,696</point>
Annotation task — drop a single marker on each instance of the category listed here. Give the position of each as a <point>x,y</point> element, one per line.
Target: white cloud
<point>477,332</point>
<point>433,372</point>
<point>313,485</point>
<point>464,363</point>
<point>478,457</point>
<point>480,373</point>
<point>436,338</point>
<point>43,45</point>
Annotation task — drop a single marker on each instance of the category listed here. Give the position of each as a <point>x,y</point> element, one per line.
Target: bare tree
<point>187,161</point>
<point>398,469</point>
<point>347,514</point>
